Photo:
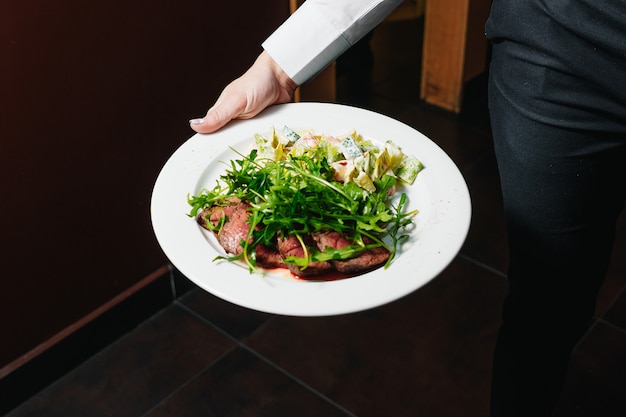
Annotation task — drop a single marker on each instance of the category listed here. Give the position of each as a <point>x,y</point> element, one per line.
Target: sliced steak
<point>291,246</point>
<point>235,230</point>
<point>333,240</point>
<point>267,257</point>
<point>213,214</point>
<point>364,261</point>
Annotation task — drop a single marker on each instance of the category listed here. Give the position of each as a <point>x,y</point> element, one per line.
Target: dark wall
<point>94,97</point>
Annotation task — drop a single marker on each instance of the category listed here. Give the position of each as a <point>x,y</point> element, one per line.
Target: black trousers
<point>558,108</point>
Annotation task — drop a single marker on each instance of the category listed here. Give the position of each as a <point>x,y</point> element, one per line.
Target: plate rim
<point>304,298</point>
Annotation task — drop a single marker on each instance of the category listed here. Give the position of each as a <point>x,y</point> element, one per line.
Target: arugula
<point>298,195</point>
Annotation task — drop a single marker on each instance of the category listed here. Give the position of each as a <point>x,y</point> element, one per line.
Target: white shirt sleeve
<point>321,30</point>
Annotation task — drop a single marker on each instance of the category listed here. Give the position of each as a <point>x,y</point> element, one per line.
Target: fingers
<point>262,85</point>
<point>210,123</point>
<point>227,108</point>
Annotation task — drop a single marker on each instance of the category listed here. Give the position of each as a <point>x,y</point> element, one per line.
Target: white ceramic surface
<point>439,193</point>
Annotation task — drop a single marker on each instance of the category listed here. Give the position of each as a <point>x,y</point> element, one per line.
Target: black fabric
<point>565,60</point>
<point>557,97</point>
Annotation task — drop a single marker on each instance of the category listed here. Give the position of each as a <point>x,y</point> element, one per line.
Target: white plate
<point>439,193</point>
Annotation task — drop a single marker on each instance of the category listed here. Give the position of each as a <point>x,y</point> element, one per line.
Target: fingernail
<point>196,122</point>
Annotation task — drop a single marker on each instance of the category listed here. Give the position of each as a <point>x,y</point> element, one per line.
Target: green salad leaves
<point>303,183</point>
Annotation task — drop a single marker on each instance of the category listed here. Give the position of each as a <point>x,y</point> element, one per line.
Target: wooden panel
<point>444,52</point>
<point>455,49</point>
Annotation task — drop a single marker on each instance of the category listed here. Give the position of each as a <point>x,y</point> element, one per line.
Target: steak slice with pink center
<point>291,246</point>
<point>367,260</point>
<point>235,230</point>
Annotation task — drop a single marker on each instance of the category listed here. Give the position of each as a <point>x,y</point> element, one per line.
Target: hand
<point>262,85</point>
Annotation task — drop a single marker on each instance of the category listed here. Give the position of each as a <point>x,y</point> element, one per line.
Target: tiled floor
<point>428,354</point>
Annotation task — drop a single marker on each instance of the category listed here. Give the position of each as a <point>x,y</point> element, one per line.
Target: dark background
<point>94,97</point>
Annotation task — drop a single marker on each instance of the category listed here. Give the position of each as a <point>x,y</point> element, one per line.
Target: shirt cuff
<point>305,44</point>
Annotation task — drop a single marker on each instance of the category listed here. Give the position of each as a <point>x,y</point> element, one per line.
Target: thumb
<point>219,115</point>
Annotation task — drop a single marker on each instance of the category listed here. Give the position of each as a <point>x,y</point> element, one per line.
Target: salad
<point>311,202</point>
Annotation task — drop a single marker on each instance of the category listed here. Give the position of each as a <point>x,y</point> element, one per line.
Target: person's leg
<point>558,113</point>
<point>563,188</point>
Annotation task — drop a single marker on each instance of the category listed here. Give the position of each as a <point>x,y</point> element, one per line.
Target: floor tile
<point>596,384</point>
<point>426,354</point>
<point>241,385</point>
<point>238,322</point>
<point>135,373</point>
<point>83,343</point>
